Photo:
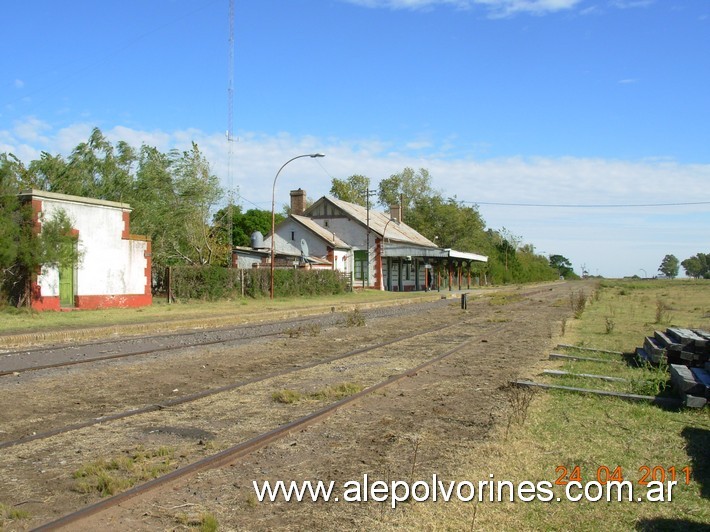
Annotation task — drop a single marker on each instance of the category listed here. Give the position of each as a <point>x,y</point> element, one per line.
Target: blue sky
<point>545,102</point>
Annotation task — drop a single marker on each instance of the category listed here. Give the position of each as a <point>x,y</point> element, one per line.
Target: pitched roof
<point>379,223</point>
<point>330,237</point>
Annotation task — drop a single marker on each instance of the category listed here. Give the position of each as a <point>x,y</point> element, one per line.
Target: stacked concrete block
<point>688,347</point>
<point>692,384</point>
<point>687,351</point>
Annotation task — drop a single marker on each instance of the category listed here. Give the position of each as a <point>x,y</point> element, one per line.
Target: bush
<point>213,282</point>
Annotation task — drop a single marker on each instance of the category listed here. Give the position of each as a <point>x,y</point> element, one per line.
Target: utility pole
<point>366,277</point>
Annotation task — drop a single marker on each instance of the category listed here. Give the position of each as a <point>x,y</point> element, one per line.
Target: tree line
<point>175,199</point>
<point>697,266</point>
<point>451,223</point>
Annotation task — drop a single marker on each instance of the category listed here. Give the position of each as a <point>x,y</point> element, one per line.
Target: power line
<point>588,206</point>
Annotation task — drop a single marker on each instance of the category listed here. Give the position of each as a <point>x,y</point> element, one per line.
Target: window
<point>293,235</point>
<point>361,265</point>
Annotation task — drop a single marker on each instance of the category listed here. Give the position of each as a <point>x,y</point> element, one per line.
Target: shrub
<point>214,282</point>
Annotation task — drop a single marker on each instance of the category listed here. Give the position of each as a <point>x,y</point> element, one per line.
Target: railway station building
<point>377,249</point>
<point>114,269</point>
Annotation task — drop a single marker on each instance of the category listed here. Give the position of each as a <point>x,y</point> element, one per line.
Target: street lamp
<point>273,214</point>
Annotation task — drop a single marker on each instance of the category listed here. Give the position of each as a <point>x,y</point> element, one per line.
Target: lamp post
<point>273,214</point>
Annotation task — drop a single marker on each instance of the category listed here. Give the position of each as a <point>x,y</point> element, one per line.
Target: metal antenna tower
<point>230,132</point>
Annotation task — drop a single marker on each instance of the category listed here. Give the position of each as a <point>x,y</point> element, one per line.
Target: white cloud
<point>31,129</point>
<point>19,84</point>
<point>497,8</point>
<point>631,4</point>
<point>617,241</point>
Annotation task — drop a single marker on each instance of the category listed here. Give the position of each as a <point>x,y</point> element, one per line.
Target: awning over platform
<point>395,250</point>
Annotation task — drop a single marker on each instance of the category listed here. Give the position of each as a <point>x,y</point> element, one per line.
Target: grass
<point>205,522</point>
<point>14,320</point>
<point>557,432</point>
<point>501,299</point>
<point>330,393</point>
<point>108,477</point>
<point>8,513</point>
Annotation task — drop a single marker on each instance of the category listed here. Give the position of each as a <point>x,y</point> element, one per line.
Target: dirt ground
<point>407,431</point>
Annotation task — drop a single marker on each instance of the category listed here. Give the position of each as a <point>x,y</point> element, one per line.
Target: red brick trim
<point>126,234</point>
<point>40,302</point>
<point>94,302</point>
<point>113,301</point>
<point>36,216</point>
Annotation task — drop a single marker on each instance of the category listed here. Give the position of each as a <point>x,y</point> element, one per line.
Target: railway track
<point>222,389</point>
<point>258,441</point>
<point>26,360</point>
<point>243,429</point>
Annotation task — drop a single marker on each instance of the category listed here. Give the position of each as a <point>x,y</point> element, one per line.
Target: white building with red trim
<point>115,265</point>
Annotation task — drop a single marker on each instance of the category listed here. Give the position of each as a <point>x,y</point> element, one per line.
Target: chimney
<point>298,201</point>
<point>396,213</point>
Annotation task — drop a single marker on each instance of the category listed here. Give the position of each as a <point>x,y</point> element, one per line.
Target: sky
<point>581,126</point>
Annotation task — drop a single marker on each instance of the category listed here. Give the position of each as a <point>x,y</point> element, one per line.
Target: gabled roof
<point>321,232</point>
<point>379,222</point>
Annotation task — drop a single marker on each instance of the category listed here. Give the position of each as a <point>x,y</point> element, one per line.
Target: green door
<point>66,286</point>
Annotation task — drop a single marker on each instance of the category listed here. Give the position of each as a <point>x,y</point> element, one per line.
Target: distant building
<point>115,266</point>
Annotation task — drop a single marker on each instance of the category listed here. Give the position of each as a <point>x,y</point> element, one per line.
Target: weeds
<point>504,299</point>
<point>208,523</point>
<point>337,392</point>
<point>7,513</point>
<point>293,332</point>
<point>108,477</point>
<point>251,501</point>
<point>312,329</point>
<point>578,302</point>
<point>655,380</point>
<point>609,325</point>
<point>205,522</point>
<point>417,442</point>
<point>519,399</point>
<point>287,397</point>
<point>355,319</point>
<point>663,314</point>
<point>331,393</point>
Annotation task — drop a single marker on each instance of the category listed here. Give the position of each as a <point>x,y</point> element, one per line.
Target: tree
<point>25,252</point>
<point>669,266</point>
<point>9,221</point>
<point>697,266</point>
<point>448,223</point>
<point>562,265</point>
<point>353,189</point>
<point>195,192</point>
<point>406,188</point>
<point>244,223</point>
